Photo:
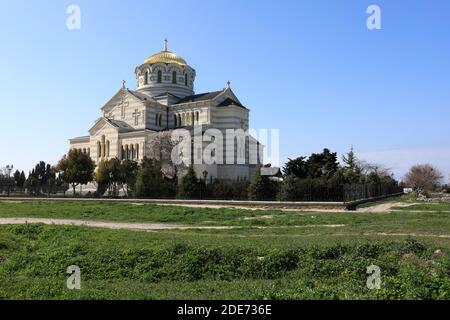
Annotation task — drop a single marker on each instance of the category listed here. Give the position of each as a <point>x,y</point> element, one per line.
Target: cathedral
<point>165,100</point>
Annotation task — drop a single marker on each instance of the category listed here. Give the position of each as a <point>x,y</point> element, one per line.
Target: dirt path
<point>139,226</point>
<point>108,225</point>
<point>385,207</point>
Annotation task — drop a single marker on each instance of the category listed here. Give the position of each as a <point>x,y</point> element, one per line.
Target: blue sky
<point>310,68</point>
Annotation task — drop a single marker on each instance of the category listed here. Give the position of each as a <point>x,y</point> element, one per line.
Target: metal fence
<point>319,191</point>
<point>355,192</point>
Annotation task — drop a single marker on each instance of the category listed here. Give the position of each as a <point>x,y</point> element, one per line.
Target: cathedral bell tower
<point>165,72</point>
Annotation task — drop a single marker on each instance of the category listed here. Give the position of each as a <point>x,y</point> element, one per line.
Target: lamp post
<point>205,175</point>
<point>9,168</point>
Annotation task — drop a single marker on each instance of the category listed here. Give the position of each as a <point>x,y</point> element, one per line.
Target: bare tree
<point>162,146</point>
<point>423,177</point>
<point>368,167</point>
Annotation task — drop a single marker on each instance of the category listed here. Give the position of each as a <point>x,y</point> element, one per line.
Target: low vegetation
<point>34,259</point>
<point>269,255</point>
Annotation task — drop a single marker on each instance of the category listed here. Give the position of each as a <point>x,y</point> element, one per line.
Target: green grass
<point>125,212</point>
<point>293,257</point>
<point>427,206</point>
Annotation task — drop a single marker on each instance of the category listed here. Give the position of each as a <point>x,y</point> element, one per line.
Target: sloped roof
<point>140,95</point>
<point>230,102</point>
<point>119,124</point>
<point>200,97</point>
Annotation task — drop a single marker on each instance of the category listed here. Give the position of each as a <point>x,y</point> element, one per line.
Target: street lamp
<point>9,168</point>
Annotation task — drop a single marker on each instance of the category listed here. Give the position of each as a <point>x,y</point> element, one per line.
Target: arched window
<point>197,116</point>
<point>122,153</point>
<point>99,149</point>
<point>186,77</point>
<point>175,124</point>
<point>174,77</point>
<point>159,76</point>
<point>127,152</point>
<point>179,120</point>
<point>132,152</point>
<point>192,118</point>
<point>107,148</point>
<point>136,148</point>
<point>103,146</point>
<point>156,119</point>
<point>160,120</point>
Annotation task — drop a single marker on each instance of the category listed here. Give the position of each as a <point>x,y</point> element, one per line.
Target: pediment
<point>226,94</point>
<point>122,96</point>
<point>100,124</point>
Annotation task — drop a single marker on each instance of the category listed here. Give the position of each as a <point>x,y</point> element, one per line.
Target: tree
<point>18,176</point>
<point>50,180</point>
<point>189,186</point>
<point>322,164</point>
<point>261,187</point>
<point>102,177</point>
<point>149,180</point>
<point>76,168</point>
<point>289,188</point>
<point>350,160</point>
<point>316,166</point>
<point>60,184</point>
<point>351,172</point>
<point>22,179</point>
<point>128,174</point>
<point>162,147</point>
<point>423,177</point>
<point>297,167</point>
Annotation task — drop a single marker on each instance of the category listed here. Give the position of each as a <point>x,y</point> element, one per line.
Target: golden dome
<point>166,56</point>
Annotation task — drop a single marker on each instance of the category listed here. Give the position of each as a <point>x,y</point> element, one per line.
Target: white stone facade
<point>165,100</point>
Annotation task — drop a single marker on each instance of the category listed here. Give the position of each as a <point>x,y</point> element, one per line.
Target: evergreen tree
<point>261,187</point>
<point>128,174</point>
<point>351,172</point>
<point>289,188</point>
<point>16,178</point>
<point>22,179</point>
<point>297,167</point>
<point>189,187</point>
<point>322,164</point>
<point>350,160</point>
<point>149,180</point>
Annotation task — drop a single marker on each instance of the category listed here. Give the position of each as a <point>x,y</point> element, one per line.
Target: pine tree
<point>189,187</point>
<point>149,180</point>
<point>289,188</point>
<point>261,187</point>
<point>22,179</point>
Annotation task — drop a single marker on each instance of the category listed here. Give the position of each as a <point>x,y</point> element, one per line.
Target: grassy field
<point>269,254</point>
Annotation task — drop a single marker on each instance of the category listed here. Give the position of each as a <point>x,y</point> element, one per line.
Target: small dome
<point>166,56</point>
